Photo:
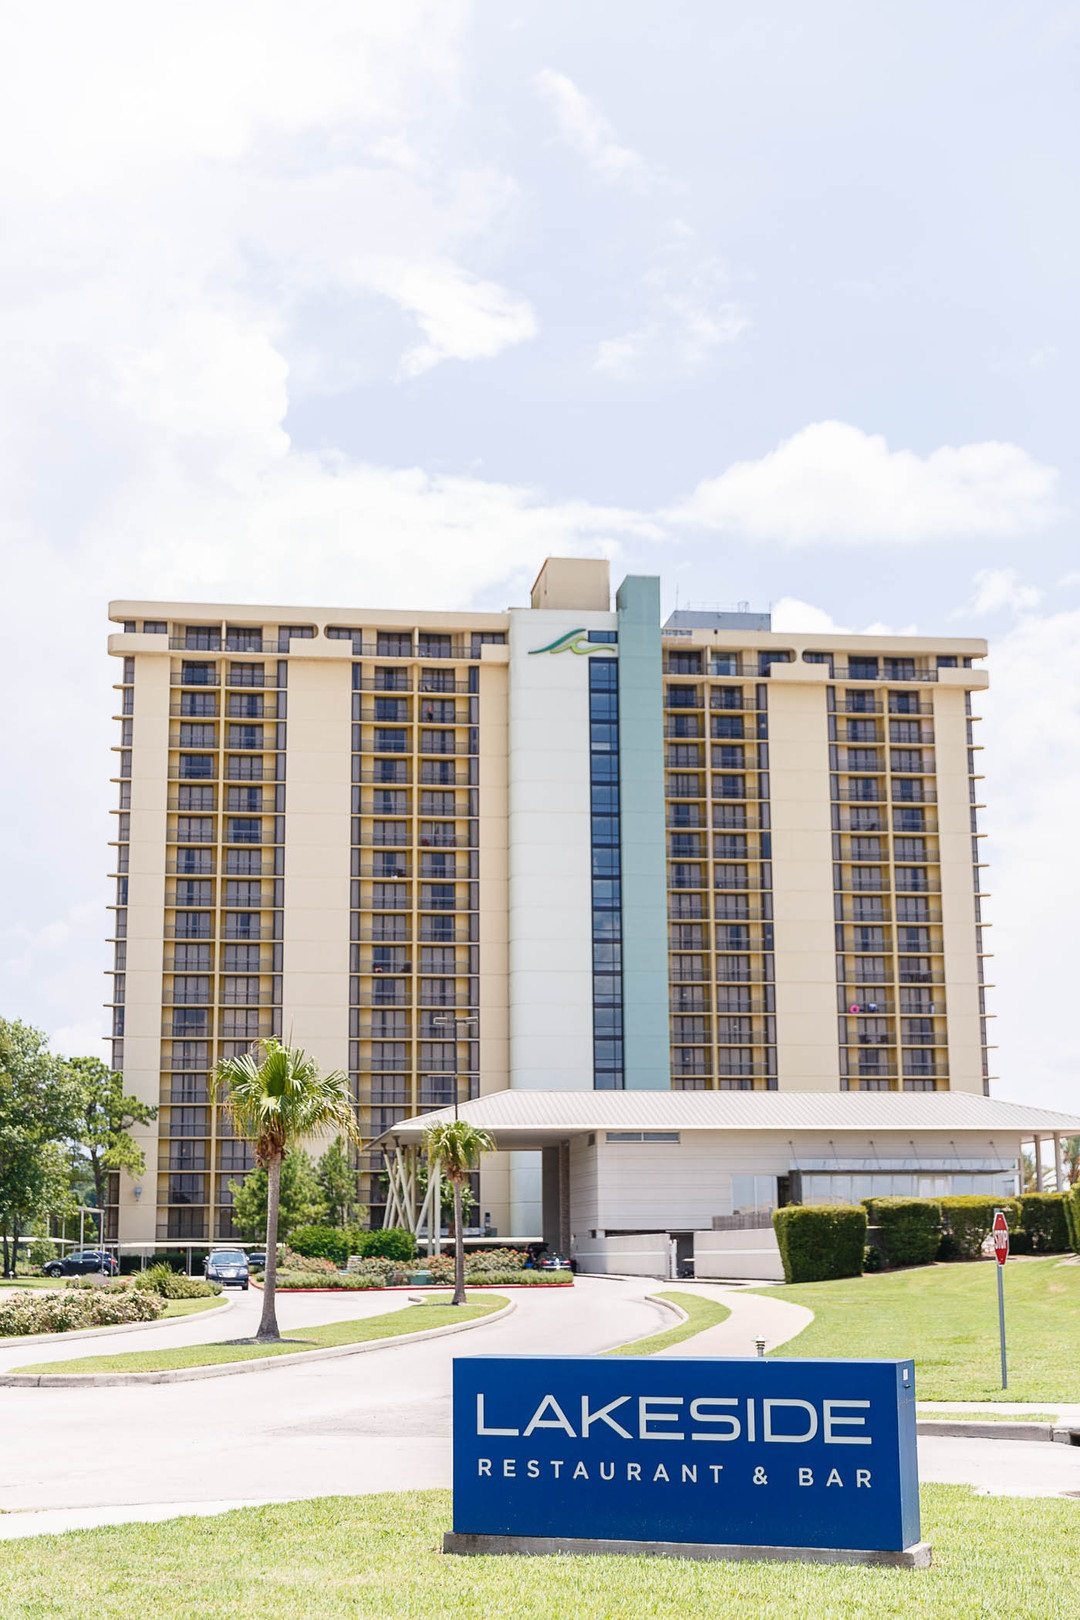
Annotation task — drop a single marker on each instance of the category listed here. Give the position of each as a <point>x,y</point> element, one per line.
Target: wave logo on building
<point>576,641</point>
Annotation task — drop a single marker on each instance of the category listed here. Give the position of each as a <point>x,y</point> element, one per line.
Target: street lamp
<point>454,1022</point>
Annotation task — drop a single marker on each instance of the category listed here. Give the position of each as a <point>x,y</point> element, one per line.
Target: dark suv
<point>229,1267</point>
<point>80,1263</point>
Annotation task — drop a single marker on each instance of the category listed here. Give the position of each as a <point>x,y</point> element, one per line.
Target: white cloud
<point>585,129</point>
<point>792,614</point>
<point>831,482</point>
<point>689,312</point>
<point>997,589</point>
<point>462,317</point>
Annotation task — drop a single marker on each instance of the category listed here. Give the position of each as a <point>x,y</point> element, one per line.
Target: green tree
<point>1070,1151</point>
<point>446,1195</point>
<point>106,1116</point>
<point>338,1183</point>
<point>455,1147</point>
<point>300,1200</point>
<point>276,1097</point>
<point>38,1110</point>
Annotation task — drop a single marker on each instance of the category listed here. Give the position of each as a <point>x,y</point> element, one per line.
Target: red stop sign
<point>1000,1234</point>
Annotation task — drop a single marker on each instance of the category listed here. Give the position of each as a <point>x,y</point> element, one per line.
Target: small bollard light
<point>760,1346</point>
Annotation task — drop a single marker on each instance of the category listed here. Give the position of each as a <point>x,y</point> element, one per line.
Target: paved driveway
<point>370,1422</point>
<point>373,1422</point>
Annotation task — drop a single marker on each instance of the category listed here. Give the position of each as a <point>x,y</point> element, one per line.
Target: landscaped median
<point>698,1313</point>
<point>434,1316</point>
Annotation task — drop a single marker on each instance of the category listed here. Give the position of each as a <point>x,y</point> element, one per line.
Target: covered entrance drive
<point>625,1174</point>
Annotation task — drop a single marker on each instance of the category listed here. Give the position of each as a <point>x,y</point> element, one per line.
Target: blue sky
<point>383,303</point>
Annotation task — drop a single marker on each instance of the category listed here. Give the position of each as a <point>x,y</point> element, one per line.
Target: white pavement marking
<point>753,1316</point>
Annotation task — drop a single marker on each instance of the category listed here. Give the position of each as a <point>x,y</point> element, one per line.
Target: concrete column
<point>555,1213</point>
<point>1058,1177</point>
<point>1038,1164</point>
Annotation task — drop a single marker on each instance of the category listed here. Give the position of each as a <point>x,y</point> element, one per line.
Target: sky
<point>379,304</point>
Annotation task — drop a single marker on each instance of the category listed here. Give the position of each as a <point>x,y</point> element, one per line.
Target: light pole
<point>455,1022</point>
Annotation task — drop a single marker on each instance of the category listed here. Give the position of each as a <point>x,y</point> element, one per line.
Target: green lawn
<point>413,1319</point>
<point>702,1313</point>
<point>346,1558</point>
<point>31,1282</point>
<point>940,1414</point>
<point>946,1317</point>
<point>185,1307</point>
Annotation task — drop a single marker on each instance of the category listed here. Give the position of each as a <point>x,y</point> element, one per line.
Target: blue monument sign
<point>721,1454</point>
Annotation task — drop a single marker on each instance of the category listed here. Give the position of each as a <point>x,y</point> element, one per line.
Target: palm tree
<point>455,1147</point>
<point>276,1096</point>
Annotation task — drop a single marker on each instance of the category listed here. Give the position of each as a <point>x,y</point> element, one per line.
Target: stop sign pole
<point>1000,1234</point>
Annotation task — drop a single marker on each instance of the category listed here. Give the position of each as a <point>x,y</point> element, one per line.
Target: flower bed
<point>346,1282</point>
<point>68,1312</point>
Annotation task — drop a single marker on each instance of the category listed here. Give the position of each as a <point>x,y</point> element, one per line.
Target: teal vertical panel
<point>646,1051</point>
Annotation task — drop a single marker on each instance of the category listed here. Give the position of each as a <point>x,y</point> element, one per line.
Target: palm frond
<point>456,1147</point>
<point>277,1095</point>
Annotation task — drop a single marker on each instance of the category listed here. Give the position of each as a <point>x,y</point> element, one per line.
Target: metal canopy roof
<point>533,1118</point>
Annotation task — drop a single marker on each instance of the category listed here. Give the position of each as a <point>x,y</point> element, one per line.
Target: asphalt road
<point>373,1422</point>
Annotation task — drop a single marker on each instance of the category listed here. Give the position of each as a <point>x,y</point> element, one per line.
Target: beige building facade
<point>562,847</point>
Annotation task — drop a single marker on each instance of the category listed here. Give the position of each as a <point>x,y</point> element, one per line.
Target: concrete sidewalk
<point>753,1316</point>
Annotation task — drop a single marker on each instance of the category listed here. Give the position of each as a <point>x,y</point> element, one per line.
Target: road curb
<point>189,1375</point>
<point>15,1341</point>
<point>955,1428</point>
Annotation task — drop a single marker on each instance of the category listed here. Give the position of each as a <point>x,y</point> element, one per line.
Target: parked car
<point>229,1267</point>
<point>81,1262</point>
<point>257,1259</point>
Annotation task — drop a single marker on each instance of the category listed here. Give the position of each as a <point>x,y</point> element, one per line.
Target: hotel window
<point>247,675</point>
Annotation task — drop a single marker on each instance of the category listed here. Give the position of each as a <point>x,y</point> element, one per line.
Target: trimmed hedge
<point>340,1243</point>
<point>395,1276</point>
<point>820,1241</point>
<point>67,1312</point>
<point>968,1220</point>
<point>1042,1218</point>
<point>909,1229</point>
<point>1072,1215</point>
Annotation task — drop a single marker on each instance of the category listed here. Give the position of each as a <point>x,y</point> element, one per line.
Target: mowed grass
<point>413,1319</point>
<point>188,1307</point>
<point>345,1558</point>
<point>702,1313</point>
<point>945,1316</point>
<point>31,1282</point>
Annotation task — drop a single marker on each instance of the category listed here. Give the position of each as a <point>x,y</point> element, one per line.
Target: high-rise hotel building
<point>562,846</point>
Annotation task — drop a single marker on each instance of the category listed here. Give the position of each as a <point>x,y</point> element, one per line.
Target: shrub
<point>873,1259</point>
<point>290,1260</point>
<point>67,1312</point>
<point>1072,1215</point>
<point>819,1241</point>
<point>341,1281</point>
<point>909,1229</point>
<point>1042,1218</point>
<point>381,1273</point>
<point>334,1243</point>
<point>169,1284</point>
<point>386,1243</point>
<point>967,1222</point>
